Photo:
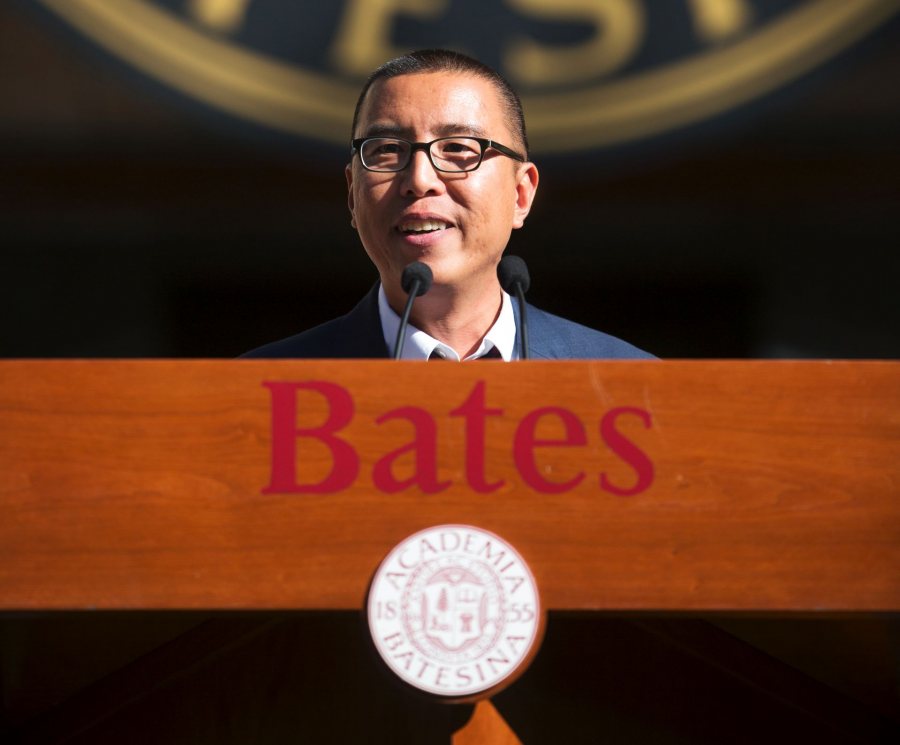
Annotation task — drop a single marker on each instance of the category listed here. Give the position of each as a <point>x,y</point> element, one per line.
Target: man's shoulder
<point>553,337</point>
<point>330,340</point>
<point>356,335</point>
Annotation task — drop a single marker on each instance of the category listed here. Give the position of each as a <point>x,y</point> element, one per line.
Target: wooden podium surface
<point>727,533</point>
<point>627,486</point>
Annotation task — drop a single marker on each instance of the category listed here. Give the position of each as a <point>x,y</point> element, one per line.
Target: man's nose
<point>420,178</point>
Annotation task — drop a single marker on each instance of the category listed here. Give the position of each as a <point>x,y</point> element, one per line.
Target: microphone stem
<point>404,319</point>
<point>523,322</point>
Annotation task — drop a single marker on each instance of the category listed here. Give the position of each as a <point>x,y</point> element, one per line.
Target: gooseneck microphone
<point>514,279</point>
<point>416,281</point>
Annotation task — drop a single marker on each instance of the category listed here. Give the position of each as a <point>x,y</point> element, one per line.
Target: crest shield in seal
<point>454,610</point>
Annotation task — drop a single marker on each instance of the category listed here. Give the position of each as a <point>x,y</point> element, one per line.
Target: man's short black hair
<point>445,60</point>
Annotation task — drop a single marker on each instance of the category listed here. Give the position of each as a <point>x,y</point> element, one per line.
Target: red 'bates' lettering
<point>527,449</point>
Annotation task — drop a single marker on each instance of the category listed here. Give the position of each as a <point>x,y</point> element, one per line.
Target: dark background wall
<point>135,224</point>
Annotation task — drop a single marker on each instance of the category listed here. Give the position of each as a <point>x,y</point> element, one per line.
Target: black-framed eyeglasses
<point>447,154</point>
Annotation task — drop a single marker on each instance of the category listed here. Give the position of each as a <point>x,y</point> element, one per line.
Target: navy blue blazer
<point>358,335</point>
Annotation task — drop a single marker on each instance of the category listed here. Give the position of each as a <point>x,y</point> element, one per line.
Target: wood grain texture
<point>138,484</point>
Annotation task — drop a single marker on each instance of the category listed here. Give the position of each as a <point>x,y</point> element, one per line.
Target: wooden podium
<point>655,492</point>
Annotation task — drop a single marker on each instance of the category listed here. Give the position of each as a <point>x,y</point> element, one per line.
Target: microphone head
<point>512,271</point>
<point>416,271</point>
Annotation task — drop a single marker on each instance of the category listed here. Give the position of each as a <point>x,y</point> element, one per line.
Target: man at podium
<point>439,174</point>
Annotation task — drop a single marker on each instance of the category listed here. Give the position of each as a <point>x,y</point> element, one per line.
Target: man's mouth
<point>417,227</point>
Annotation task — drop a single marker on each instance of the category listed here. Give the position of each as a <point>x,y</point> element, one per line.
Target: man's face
<point>457,223</point>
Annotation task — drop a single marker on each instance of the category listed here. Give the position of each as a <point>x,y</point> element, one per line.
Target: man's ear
<point>526,187</point>
<point>348,173</point>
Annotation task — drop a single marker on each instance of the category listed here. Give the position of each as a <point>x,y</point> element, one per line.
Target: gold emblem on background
<point>593,103</point>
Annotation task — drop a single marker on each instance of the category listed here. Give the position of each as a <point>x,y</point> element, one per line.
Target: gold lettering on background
<point>717,20</point>
<point>643,103</point>
<point>225,16</point>
<point>619,26</point>
<point>363,40</point>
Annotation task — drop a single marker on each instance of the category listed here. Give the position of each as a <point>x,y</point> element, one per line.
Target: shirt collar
<point>420,346</point>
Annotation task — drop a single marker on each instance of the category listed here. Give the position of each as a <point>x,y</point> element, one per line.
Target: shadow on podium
<point>314,677</point>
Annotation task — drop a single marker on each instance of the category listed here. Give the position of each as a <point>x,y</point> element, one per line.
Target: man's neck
<point>459,319</point>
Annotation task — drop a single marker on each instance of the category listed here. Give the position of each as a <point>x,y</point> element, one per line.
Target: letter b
<point>345,461</point>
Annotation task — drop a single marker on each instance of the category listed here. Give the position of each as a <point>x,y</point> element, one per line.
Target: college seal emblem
<point>454,610</point>
<point>592,73</point>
